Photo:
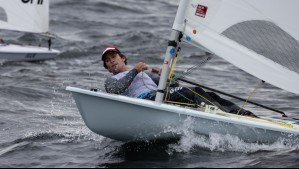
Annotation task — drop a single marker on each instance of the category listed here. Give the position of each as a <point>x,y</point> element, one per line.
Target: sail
<point>24,15</point>
<point>258,36</point>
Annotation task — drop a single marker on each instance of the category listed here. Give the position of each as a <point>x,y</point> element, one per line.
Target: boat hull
<point>128,119</point>
<point>10,53</point>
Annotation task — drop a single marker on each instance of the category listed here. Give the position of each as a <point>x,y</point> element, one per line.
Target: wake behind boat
<point>10,52</point>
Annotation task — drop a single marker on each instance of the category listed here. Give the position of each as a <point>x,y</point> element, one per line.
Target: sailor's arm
<point>119,86</point>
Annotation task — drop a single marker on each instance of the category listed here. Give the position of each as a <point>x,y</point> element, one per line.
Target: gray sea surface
<point>40,125</point>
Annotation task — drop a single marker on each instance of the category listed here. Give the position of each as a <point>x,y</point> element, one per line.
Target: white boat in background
<point>25,16</point>
<point>26,53</point>
<point>250,34</point>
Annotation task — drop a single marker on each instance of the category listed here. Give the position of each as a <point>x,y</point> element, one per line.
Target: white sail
<point>258,36</point>
<point>25,15</point>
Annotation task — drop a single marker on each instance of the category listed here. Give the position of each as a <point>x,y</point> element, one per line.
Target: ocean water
<point>40,125</point>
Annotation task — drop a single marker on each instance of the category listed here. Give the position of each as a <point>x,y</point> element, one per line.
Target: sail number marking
<point>39,2</point>
<point>30,56</point>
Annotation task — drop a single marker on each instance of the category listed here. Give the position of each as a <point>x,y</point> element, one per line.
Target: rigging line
<point>183,97</point>
<point>166,96</point>
<point>186,104</point>
<point>171,72</point>
<point>146,84</point>
<point>232,96</point>
<point>216,104</point>
<point>174,61</point>
<point>200,64</point>
<point>202,97</point>
<point>173,79</point>
<point>187,72</point>
<point>189,104</point>
<point>190,70</point>
<point>251,94</point>
<point>170,77</point>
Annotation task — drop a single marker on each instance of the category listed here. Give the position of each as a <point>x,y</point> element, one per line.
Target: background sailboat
<point>25,16</point>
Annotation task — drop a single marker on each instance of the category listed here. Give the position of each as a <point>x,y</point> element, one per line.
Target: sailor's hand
<point>141,67</point>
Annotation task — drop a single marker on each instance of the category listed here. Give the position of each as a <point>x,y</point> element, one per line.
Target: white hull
<point>10,53</point>
<point>128,119</point>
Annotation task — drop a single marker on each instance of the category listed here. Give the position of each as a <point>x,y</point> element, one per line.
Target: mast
<point>171,49</point>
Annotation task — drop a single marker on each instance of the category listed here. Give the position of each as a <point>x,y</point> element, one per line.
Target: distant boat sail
<point>258,36</point>
<point>25,16</point>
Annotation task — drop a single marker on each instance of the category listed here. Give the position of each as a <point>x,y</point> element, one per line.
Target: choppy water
<point>40,125</point>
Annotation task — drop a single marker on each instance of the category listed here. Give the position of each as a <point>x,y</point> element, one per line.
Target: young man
<point>138,84</point>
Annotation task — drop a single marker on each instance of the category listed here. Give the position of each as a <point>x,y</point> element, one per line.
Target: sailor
<point>2,41</point>
<point>49,43</point>
<point>139,84</point>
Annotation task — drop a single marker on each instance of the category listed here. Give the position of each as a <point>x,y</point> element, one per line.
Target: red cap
<point>110,49</point>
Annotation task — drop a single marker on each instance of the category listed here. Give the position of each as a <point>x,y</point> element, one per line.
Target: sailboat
<point>25,16</point>
<point>258,36</point>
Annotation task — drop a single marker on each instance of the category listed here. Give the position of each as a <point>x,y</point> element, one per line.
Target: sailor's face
<point>115,63</point>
